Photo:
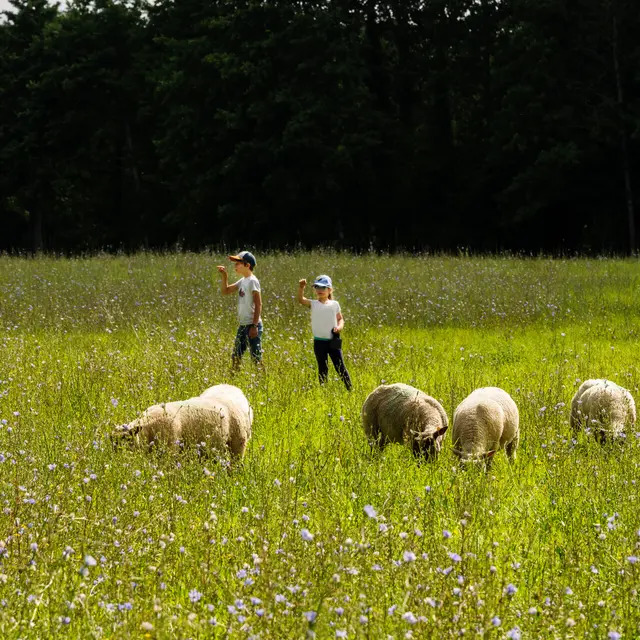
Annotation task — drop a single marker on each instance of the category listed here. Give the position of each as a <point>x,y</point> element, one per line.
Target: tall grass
<point>103,543</point>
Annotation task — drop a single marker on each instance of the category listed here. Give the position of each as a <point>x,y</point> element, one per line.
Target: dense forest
<point>436,124</point>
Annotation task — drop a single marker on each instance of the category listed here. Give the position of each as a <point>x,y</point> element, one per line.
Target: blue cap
<point>323,281</point>
<point>244,256</point>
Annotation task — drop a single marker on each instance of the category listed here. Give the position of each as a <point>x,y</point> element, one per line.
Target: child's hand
<point>302,283</point>
<point>222,269</point>
<point>336,331</point>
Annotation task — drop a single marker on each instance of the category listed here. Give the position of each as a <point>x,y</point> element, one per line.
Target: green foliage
<point>438,124</point>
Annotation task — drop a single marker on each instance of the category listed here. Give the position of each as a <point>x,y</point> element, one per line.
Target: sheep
<point>484,422</point>
<point>220,419</point>
<point>605,406</point>
<point>231,395</point>
<point>403,414</point>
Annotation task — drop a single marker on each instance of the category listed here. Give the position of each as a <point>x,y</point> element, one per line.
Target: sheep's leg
<point>510,449</point>
<point>374,437</point>
<point>576,419</point>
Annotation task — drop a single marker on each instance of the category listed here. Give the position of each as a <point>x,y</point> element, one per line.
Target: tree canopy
<point>428,124</point>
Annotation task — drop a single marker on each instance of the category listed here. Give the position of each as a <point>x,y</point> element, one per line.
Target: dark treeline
<point>435,124</point>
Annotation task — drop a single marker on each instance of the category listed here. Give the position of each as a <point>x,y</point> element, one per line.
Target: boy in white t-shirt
<point>249,332</point>
<point>326,323</point>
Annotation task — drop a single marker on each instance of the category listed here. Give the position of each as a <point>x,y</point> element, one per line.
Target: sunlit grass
<point>103,543</point>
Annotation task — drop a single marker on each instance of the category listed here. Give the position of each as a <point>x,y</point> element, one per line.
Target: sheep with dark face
<point>218,420</point>
<point>486,421</point>
<point>403,414</point>
<point>603,407</point>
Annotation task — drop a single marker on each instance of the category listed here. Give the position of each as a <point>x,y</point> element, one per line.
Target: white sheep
<point>484,422</point>
<point>604,406</point>
<point>230,394</point>
<point>218,420</point>
<point>403,414</point>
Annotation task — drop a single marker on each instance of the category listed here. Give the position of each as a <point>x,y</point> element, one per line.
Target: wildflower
<point>306,535</point>
<point>446,534</point>
<point>614,635</point>
<point>370,511</point>
<point>455,557</point>
<point>632,559</point>
<point>194,595</point>
<point>514,634</point>
<point>409,556</point>
<point>341,633</point>
<point>310,616</point>
<point>409,617</point>
<point>510,589</point>
<point>495,621</point>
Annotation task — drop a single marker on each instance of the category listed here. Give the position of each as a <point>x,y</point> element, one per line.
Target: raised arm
<point>300,295</point>
<point>225,287</point>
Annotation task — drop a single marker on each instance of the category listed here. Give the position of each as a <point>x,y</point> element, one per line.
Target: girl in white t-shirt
<point>326,323</point>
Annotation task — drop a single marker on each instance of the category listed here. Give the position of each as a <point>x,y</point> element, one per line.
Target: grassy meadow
<point>97,543</point>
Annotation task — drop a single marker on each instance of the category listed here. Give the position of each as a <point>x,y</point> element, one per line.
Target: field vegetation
<point>313,534</point>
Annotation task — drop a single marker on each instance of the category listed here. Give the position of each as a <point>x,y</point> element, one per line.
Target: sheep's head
<point>124,435</point>
<point>429,446</point>
<point>480,459</point>
<point>610,433</point>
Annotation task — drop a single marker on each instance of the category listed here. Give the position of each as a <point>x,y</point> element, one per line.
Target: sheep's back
<point>231,396</point>
<point>200,421</point>
<point>486,419</point>
<point>604,401</point>
<point>609,405</point>
<point>389,409</point>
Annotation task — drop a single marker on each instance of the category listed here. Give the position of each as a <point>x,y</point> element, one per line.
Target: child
<point>326,323</point>
<point>249,307</point>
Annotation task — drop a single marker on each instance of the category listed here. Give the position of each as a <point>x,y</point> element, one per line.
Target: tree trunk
<point>37,236</point>
<point>624,146</point>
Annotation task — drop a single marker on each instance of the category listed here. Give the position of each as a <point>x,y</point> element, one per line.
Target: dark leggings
<point>322,349</point>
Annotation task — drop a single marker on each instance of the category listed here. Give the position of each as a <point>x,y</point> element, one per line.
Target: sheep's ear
<point>441,431</point>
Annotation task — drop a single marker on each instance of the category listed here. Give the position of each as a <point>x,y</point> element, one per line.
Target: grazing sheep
<point>220,420</point>
<point>404,414</point>
<point>484,422</point>
<point>230,395</point>
<point>604,406</point>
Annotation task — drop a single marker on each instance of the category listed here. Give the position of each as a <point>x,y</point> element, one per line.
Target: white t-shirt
<point>246,305</point>
<point>324,317</point>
